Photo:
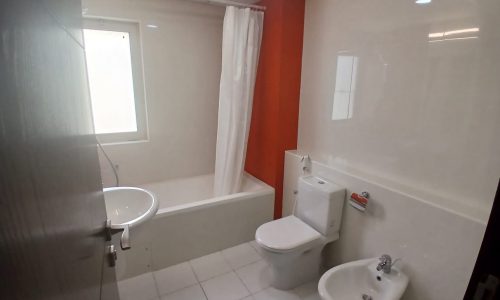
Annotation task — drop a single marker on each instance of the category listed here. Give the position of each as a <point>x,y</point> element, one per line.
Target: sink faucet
<point>385,264</point>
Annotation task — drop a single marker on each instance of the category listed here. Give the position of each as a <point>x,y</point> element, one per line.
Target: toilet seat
<point>286,235</point>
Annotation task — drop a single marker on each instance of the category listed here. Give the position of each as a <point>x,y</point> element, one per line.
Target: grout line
<point>213,276</point>
<point>184,288</point>
<point>197,280</point>
<point>232,270</point>
<point>226,259</point>
<point>243,282</point>
<point>247,264</point>
<point>156,284</point>
<point>192,270</point>
<point>255,248</point>
<point>177,290</point>
<point>251,245</point>
<point>203,290</point>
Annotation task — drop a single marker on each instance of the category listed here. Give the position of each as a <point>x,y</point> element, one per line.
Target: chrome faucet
<point>385,264</point>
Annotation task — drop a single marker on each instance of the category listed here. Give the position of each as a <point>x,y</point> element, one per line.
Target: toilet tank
<point>319,204</point>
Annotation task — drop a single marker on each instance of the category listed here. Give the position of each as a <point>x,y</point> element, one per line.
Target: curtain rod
<point>232,3</point>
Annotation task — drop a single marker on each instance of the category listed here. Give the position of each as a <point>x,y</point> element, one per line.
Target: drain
<point>367,297</point>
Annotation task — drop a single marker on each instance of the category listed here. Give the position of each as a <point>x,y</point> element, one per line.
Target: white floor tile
<point>191,293</point>
<point>225,287</point>
<point>248,298</point>
<point>308,291</point>
<point>275,294</point>
<point>241,255</point>
<point>140,287</point>
<point>209,266</point>
<point>174,278</point>
<point>256,276</point>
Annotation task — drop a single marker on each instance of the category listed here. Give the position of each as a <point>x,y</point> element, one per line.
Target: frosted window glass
<point>109,68</point>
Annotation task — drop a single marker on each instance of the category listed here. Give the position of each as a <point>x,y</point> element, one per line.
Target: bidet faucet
<point>385,263</point>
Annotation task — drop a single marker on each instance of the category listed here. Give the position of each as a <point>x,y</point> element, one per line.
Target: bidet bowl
<point>129,206</point>
<point>360,280</point>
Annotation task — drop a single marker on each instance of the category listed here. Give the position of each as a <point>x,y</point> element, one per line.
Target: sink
<point>128,207</point>
<point>360,280</point>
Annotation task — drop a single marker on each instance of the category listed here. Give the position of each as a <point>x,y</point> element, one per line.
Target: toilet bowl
<point>292,246</point>
<point>293,250</point>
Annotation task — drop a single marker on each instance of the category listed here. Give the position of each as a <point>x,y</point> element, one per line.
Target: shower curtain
<point>241,41</point>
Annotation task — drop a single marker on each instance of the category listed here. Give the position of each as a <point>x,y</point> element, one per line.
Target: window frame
<point>133,29</point>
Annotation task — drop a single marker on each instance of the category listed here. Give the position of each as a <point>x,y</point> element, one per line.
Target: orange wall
<point>277,92</point>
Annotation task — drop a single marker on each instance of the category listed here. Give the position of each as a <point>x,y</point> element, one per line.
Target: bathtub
<point>190,223</point>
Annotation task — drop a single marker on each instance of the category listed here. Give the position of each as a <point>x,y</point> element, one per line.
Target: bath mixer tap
<point>385,263</point>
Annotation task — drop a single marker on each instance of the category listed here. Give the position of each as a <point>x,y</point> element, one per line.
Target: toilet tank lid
<point>321,184</point>
<point>286,234</point>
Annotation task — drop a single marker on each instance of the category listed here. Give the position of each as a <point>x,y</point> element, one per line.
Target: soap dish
<point>359,201</point>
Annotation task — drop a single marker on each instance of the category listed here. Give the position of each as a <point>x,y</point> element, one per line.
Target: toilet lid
<point>286,234</point>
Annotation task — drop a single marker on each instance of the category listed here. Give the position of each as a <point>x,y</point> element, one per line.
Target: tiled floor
<point>232,274</point>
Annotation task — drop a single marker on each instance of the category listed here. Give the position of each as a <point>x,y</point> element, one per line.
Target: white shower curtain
<point>241,40</point>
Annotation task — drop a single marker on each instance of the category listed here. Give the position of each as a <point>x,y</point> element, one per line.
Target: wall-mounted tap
<point>385,263</point>
<point>306,163</point>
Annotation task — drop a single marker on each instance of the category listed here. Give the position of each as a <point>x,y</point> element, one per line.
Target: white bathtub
<point>191,222</point>
<point>185,193</point>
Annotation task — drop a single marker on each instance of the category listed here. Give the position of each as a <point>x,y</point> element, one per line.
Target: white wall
<point>426,115</point>
<point>182,59</point>
<point>420,134</point>
<point>438,247</point>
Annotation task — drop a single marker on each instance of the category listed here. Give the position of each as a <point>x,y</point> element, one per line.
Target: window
<point>345,87</point>
<point>112,51</point>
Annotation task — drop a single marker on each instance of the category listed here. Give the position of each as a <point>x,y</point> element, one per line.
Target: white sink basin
<point>129,206</point>
<point>352,280</point>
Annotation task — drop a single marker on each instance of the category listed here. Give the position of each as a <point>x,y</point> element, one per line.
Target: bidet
<point>361,280</point>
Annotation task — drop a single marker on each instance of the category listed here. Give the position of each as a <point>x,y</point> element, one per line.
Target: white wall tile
<point>426,114</point>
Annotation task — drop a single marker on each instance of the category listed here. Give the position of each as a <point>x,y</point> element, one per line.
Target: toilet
<point>292,245</point>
